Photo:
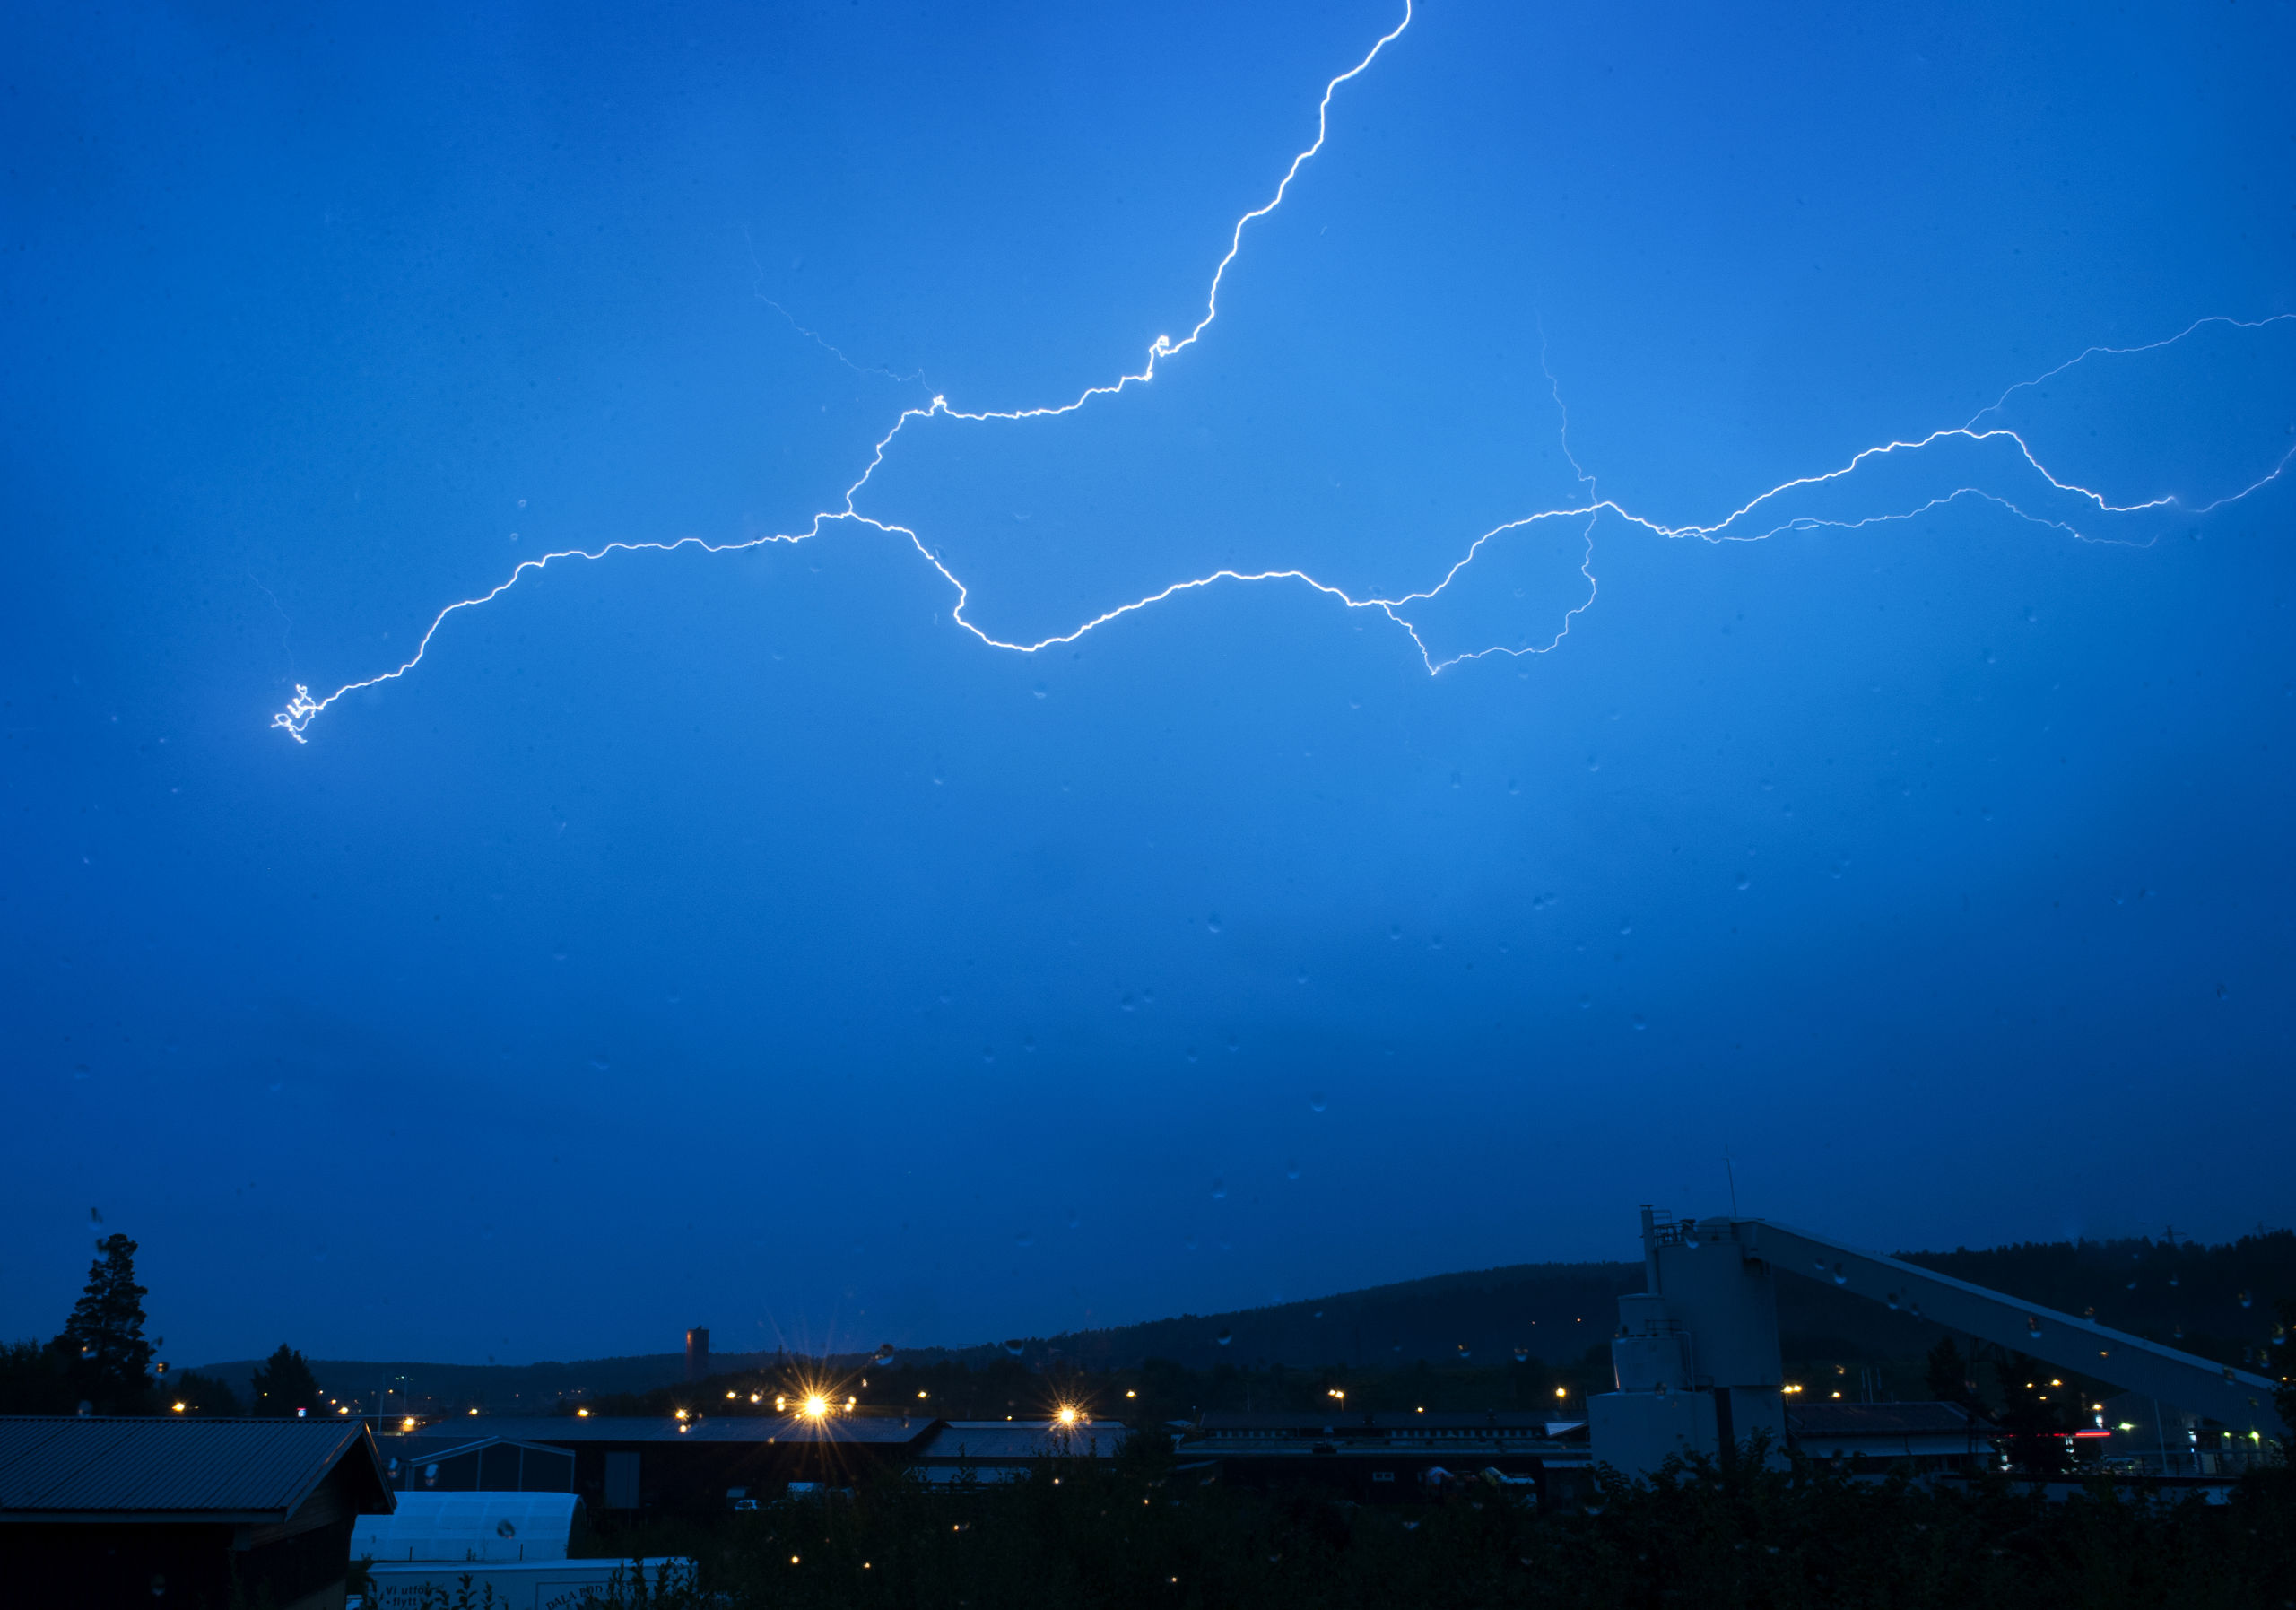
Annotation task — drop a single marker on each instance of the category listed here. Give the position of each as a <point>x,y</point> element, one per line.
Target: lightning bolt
<point>1744,524</point>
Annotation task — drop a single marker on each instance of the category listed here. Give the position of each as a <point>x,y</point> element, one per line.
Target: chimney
<point>697,1354</point>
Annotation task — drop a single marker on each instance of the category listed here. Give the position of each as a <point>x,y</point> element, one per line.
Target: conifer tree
<point>285,1383</point>
<point>105,1357</point>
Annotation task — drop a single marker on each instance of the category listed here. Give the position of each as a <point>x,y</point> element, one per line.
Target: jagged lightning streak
<point>1742,523</point>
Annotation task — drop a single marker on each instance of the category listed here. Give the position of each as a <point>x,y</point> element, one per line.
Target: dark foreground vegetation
<point>1145,1534</point>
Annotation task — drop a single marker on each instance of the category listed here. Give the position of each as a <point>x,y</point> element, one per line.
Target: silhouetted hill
<point>2188,1294</point>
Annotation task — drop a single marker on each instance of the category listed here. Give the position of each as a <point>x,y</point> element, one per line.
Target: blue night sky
<point>733,938</point>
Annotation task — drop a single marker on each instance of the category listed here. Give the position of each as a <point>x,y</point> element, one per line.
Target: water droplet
<point>2177,1330</point>
<point>2172,1280</point>
<point>1745,880</point>
<point>1213,922</point>
<point>1395,930</point>
<point>1073,1222</point>
<point>1586,1001</point>
<point>2219,992</point>
<point>598,1063</point>
<point>522,502</point>
<point>1225,1337</point>
<point>884,1354</point>
<point>1594,763</point>
<point>2247,1299</point>
<point>1465,1352</point>
<point>1522,1355</point>
<point>1016,1347</point>
<point>1024,1240</point>
<point>1037,690</point>
<point>1191,1053</point>
<point>1513,787</point>
<point>987,1054</point>
<point>1291,1172</point>
<point>1639,1023</point>
<point>1029,1044</point>
<point>1190,1243</point>
<point>1625,926</point>
<point>1232,1045</point>
<point>1302,978</point>
<point>1455,778</point>
<point>1128,1004</point>
<point>1219,1190</point>
<point>1315,1101</point>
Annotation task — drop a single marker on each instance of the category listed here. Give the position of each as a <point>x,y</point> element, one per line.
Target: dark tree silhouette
<point>2284,1370</point>
<point>202,1394</point>
<point>32,1380</point>
<point>105,1355</point>
<point>2035,1415</point>
<point>285,1383</point>
<point>1950,1374</point>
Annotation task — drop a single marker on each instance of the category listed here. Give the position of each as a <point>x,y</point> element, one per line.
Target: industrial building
<point>1393,1457</point>
<point>1696,1355</point>
<point>195,1514</point>
<point>1922,1438</point>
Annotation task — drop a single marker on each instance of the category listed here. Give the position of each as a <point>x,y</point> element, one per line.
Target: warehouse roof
<point>94,1468</point>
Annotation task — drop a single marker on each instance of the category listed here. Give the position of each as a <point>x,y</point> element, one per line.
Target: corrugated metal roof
<point>243,1468</point>
<point>993,1440</point>
<point>566,1431</point>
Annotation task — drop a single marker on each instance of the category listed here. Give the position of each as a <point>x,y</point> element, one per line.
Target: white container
<point>469,1528</point>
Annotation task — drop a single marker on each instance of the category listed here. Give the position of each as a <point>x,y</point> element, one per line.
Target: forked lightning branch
<point>2024,477</point>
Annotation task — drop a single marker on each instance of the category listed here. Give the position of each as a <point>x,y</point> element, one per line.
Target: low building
<point>461,1464</point>
<point>1010,1450</point>
<point>635,1463</point>
<point>1892,1436</point>
<point>182,1514</point>
<point>1392,1457</point>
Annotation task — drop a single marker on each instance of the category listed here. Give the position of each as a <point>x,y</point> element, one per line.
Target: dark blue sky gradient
<point>733,940</point>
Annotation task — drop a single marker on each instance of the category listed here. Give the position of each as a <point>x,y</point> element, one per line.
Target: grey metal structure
<point>1697,1359</point>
